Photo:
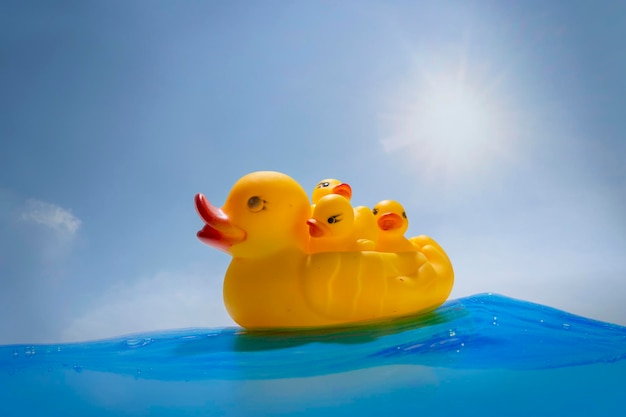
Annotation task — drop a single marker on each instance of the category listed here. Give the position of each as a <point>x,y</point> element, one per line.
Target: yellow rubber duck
<point>273,283</point>
<point>393,224</point>
<point>331,227</point>
<point>365,225</point>
<point>331,186</point>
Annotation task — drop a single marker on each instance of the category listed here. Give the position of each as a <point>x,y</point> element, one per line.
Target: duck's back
<point>360,286</point>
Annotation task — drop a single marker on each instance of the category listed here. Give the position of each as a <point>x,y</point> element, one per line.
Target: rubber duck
<point>364,223</point>
<point>392,224</point>
<point>331,227</point>
<point>272,282</point>
<point>331,186</point>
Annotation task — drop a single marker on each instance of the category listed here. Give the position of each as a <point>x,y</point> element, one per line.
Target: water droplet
<point>131,343</point>
<point>136,343</point>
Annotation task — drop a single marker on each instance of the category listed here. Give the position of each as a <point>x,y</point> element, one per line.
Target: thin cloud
<point>163,301</point>
<point>52,216</point>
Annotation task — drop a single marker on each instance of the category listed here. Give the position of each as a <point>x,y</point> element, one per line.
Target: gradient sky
<point>500,125</point>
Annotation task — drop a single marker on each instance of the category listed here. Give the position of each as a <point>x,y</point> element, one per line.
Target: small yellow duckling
<point>331,186</point>
<point>364,223</point>
<point>331,227</point>
<point>392,224</point>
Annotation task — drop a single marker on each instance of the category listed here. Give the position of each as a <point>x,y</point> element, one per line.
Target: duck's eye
<point>334,219</point>
<point>404,214</point>
<point>375,211</point>
<point>256,203</point>
<point>323,184</point>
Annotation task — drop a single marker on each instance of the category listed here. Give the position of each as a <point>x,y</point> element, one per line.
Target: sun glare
<point>450,126</point>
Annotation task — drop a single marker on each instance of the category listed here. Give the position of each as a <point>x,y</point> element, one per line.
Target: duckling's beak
<point>343,190</point>
<point>316,228</point>
<point>219,231</point>
<point>389,221</point>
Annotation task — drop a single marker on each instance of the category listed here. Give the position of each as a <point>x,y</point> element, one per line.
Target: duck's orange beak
<point>343,190</point>
<point>390,221</point>
<point>317,229</point>
<point>218,232</point>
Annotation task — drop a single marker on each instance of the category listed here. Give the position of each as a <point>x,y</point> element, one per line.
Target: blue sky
<point>499,125</point>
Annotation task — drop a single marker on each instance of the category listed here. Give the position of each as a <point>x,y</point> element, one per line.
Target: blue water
<point>485,355</point>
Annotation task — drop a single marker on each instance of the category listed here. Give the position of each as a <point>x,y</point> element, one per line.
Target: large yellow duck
<point>272,282</point>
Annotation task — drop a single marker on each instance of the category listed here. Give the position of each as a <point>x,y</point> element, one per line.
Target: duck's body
<point>365,224</point>
<point>298,290</point>
<point>273,283</point>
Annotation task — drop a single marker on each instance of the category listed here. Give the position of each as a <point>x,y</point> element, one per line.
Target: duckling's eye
<point>334,219</point>
<point>404,214</point>
<point>375,211</point>
<point>323,184</point>
<point>256,203</point>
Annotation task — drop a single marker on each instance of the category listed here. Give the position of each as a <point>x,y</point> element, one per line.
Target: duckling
<point>331,227</point>
<point>392,224</point>
<point>331,186</point>
<point>364,222</point>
